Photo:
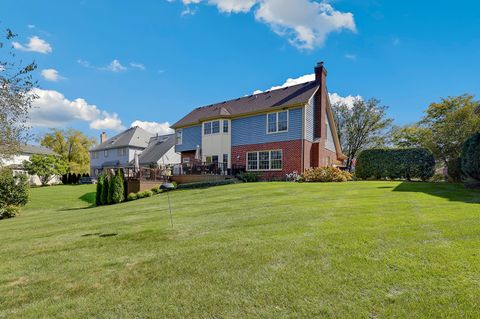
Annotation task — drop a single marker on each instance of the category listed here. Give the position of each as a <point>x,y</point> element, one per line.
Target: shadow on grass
<point>88,198</point>
<point>450,191</point>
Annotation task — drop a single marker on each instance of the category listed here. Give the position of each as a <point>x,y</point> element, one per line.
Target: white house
<point>26,151</point>
<point>119,151</point>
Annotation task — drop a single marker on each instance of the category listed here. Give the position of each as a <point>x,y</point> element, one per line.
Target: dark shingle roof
<point>288,96</point>
<point>35,149</point>
<point>157,147</point>
<point>133,137</point>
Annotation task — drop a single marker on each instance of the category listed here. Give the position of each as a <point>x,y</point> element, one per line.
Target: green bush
<point>9,211</point>
<point>248,177</point>
<point>454,170</point>
<point>326,174</point>
<point>98,196</point>
<point>104,195</point>
<point>206,184</point>
<point>13,192</point>
<point>132,196</point>
<point>140,195</point>
<point>156,190</point>
<point>118,191</point>
<point>147,193</point>
<point>406,163</point>
<point>470,159</point>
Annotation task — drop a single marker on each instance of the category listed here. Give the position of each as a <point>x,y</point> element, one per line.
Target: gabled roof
<point>35,149</point>
<point>133,137</point>
<point>284,97</point>
<point>157,147</point>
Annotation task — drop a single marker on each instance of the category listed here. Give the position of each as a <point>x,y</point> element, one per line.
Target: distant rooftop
<point>132,137</point>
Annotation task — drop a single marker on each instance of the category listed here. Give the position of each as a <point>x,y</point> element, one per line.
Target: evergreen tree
<point>98,198</point>
<point>111,189</point>
<point>104,197</point>
<point>118,195</point>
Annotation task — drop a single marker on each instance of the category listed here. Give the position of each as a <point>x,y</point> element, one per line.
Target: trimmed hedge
<point>470,159</point>
<point>326,174</point>
<point>206,184</point>
<point>406,163</point>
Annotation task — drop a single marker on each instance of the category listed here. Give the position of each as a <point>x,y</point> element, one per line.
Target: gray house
<point>120,150</point>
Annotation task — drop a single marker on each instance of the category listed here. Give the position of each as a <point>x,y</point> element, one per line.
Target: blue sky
<point>107,64</point>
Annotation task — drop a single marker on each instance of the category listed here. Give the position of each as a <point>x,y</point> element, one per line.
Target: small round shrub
<point>147,194</point>
<point>132,196</point>
<point>156,190</point>
<point>140,195</point>
<point>9,211</point>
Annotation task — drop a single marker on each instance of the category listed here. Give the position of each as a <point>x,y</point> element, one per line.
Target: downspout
<point>303,140</point>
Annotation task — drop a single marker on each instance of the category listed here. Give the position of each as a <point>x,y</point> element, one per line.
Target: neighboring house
<point>16,162</point>
<point>274,133</point>
<point>160,151</point>
<point>119,151</point>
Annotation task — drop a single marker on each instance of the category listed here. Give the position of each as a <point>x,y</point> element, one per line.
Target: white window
<point>212,127</point>
<point>225,126</point>
<point>122,151</point>
<point>264,160</point>
<point>179,137</point>
<point>105,153</point>
<point>277,122</point>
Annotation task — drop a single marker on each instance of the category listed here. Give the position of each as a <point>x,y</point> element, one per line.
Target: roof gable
<point>284,97</point>
<point>157,147</point>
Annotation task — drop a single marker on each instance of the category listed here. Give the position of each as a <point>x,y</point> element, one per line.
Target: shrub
<point>111,189</point>
<point>454,170</point>
<point>156,190</point>
<point>13,192</point>
<point>206,184</point>
<point>248,177</point>
<point>147,193</point>
<point>9,211</point>
<point>118,191</point>
<point>395,164</point>
<point>326,174</point>
<point>140,195</point>
<point>470,159</point>
<point>132,196</point>
<point>105,189</point>
<point>98,197</point>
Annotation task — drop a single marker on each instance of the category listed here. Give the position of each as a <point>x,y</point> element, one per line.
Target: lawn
<point>267,250</point>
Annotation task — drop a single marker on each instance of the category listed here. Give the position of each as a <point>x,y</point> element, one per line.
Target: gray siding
<point>329,144</point>
<point>253,129</point>
<point>191,137</point>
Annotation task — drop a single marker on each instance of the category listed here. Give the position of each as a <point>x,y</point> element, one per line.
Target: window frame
<point>179,140</point>
<point>226,126</point>
<point>105,153</point>
<point>208,127</point>
<point>258,165</point>
<point>276,122</point>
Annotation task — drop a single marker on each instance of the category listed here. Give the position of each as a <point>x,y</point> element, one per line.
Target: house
<point>120,150</point>
<point>160,151</point>
<point>273,133</point>
<point>26,151</point>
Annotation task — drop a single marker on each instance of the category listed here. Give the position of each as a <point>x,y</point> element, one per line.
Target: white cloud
<point>139,66</point>
<point>84,63</point>
<point>348,100</point>
<point>115,66</point>
<point>35,44</point>
<point>52,109</point>
<point>306,23</point>
<point>108,122</point>
<point>31,26</point>
<point>334,97</point>
<point>51,75</point>
<point>154,127</point>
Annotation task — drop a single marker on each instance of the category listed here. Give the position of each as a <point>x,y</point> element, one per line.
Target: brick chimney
<point>103,137</point>
<point>320,100</point>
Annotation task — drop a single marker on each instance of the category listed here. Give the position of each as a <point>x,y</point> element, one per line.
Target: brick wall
<point>292,156</point>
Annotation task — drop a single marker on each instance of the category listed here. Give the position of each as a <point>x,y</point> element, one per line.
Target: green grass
<point>267,250</point>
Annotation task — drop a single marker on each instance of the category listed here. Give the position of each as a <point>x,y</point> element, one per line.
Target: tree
<point>104,197</point>
<point>443,130</point>
<point>118,194</point>
<point>13,192</point>
<point>16,98</point>
<point>360,126</point>
<point>73,146</point>
<point>46,167</point>
<point>98,197</point>
<point>470,159</point>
